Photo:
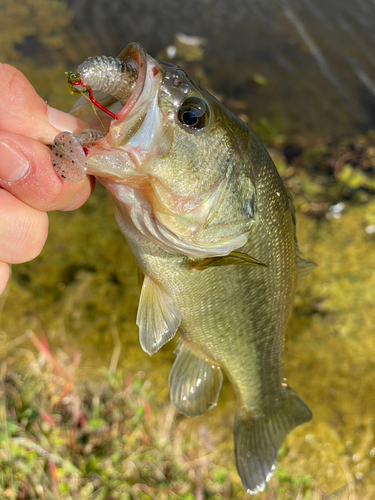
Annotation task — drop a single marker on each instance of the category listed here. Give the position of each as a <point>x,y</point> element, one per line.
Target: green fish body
<point>212,229</point>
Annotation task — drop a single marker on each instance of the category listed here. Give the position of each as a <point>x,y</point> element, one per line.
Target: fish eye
<point>194,113</point>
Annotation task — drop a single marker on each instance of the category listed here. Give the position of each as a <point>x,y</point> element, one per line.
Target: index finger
<point>24,112</point>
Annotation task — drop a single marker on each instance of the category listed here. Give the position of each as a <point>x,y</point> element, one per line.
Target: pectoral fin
<point>157,317</point>
<point>234,258</point>
<point>195,382</point>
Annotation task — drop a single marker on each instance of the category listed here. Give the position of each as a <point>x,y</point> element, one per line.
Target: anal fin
<point>258,437</point>
<point>195,382</point>
<point>157,317</point>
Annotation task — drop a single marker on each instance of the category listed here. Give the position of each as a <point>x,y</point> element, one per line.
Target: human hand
<point>29,186</point>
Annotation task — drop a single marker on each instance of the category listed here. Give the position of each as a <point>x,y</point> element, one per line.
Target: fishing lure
<point>100,73</point>
<point>69,153</point>
<point>107,74</point>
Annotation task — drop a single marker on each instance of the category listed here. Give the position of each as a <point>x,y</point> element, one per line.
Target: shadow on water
<point>286,67</point>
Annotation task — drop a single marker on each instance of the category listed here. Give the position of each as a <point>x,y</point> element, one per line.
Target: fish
<point>213,231</point>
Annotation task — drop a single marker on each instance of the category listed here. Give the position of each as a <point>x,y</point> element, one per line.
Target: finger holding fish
<point>27,125</point>
<point>24,112</point>
<point>22,231</point>
<point>28,185</point>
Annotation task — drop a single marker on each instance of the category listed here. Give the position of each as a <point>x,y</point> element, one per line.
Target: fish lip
<point>135,51</point>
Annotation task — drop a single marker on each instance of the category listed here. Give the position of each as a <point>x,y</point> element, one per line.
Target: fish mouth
<point>135,52</point>
<point>141,102</point>
<point>134,56</point>
<point>123,159</point>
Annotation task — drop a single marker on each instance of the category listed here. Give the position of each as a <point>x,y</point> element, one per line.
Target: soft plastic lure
<point>69,153</point>
<point>102,74</point>
<point>106,74</point>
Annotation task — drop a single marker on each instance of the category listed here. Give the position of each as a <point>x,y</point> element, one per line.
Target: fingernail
<point>13,163</point>
<point>64,122</point>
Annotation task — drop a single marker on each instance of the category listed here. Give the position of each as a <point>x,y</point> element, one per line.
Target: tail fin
<point>257,439</point>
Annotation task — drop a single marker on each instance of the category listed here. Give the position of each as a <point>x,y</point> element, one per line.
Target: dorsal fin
<point>157,317</point>
<point>304,267</point>
<point>195,382</point>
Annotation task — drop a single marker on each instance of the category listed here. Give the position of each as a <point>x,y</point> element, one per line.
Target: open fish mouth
<point>119,102</point>
<point>113,85</point>
<point>116,96</point>
<point>128,149</point>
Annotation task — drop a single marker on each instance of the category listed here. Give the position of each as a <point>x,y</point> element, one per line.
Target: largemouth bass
<point>212,229</point>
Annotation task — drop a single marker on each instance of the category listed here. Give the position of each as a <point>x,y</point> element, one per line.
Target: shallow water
<point>310,62</point>
<point>82,293</point>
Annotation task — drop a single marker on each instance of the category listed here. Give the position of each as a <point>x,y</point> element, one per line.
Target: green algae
<point>45,23</point>
<point>83,285</point>
<point>31,18</point>
<point>330,349</point>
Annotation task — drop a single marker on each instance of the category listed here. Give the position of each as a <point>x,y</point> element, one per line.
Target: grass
<point>63,439</point>
<point>110,439</point>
